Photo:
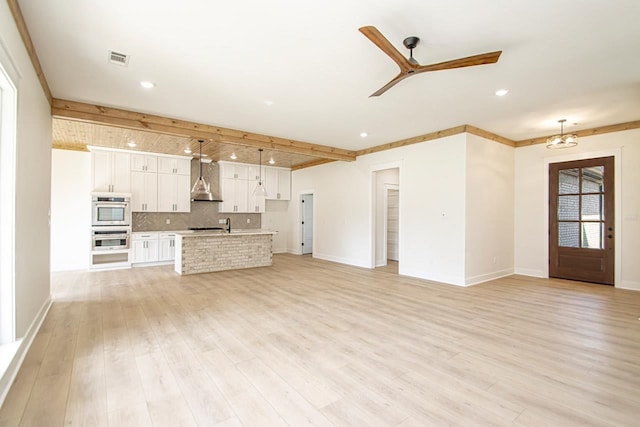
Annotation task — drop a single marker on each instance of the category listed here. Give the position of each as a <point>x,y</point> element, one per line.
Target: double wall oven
<point>110,229</point>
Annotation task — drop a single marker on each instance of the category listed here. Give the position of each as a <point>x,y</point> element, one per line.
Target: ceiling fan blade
<point>469,61</point>
<point>397,79</point>
<point>379,40</point>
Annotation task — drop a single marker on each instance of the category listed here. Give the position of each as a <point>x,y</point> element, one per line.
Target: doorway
<point>393,208</point>
<point>386,217</point>
<point>306,219</point>
<point>581,220</point>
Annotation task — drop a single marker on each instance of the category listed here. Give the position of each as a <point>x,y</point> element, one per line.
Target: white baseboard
<point>279,251</point>
<point>340,260</point>
<point>476,280</point>
<point>12,370</point>
<point>530,272</point>
<point>444,280</point>
<point>629,285</point>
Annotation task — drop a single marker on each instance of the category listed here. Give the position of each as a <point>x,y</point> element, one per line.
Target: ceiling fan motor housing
<point>411,42</point>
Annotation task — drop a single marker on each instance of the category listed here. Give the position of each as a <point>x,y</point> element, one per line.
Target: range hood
<point>201,191</point>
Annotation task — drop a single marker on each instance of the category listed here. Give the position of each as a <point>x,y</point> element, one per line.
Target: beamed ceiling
<point>295,77</point>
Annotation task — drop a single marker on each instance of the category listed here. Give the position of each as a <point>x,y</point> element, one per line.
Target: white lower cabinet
<point>153,247</point>
<point>166,247</point>
<point>144,247</point>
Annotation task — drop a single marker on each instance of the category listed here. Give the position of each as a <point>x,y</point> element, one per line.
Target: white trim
<point>8,140</point>
<point>302,227</point>
<point>531,272</point>
<point>9,376</point>
<point>385,221</point>
<point>629,285</point>
<point>617,164</point>
<point>476,280</point>
<point>372,207</point>
<point>297,250</point>
<point>340,260</point>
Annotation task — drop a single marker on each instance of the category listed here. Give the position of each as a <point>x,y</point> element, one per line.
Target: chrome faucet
<point>228,225</point>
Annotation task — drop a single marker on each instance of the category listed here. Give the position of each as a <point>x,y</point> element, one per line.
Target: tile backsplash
<point>203,214</point>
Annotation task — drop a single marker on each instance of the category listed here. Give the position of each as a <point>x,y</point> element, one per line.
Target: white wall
<point>33,172</point>
<point>383,177</point>
<point>489,210</point>
<point>531,202</point>
<point>432,208</point>
<point>276,217</point>
<point>70,210</point>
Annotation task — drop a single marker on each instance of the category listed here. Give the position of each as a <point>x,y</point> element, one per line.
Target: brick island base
<point>207,252</point>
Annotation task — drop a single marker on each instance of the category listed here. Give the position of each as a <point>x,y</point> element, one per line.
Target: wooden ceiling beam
<point>72,110</point>
<point>489,135</point>
<point>28,44</point>
<point>413,140</point>
<point>582,133</point>
<point>311,164</point>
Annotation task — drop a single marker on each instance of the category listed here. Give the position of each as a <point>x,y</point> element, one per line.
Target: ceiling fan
<point>409,66</point>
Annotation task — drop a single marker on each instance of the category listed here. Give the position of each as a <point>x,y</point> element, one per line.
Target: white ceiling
<point>219,62</point>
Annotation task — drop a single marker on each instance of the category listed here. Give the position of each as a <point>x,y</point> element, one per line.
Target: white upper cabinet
<point>144,191</point>
<point>174,193</point>
<point>174,165</point>
<point>233,170</point>
<point>111,171</point>
<point>278,183</point>
<point>235,195</point>
<point>253,173</point>
<point>144,163</point>
<point>237,182</point>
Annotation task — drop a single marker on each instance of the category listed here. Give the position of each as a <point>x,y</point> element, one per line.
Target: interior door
<point>307,223</point>
<point>581,220</point>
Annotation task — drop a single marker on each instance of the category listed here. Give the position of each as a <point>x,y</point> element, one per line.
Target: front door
<point>581,220</point>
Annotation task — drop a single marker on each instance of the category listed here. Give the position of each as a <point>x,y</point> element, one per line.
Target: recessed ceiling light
<point>131,143</point>
<point>363,134</point>
<point>271,161</point>
<point>233,156</point>
<point>147,85</point>
<point>268,103</point>
<point>502,92</point>
<point>187,151</point>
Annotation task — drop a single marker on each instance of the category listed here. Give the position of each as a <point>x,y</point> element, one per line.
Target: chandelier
<point>562,140</point>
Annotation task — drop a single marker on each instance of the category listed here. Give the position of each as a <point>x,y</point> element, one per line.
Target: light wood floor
<point>312,342</point>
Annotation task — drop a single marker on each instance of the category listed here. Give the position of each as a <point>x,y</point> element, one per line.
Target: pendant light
<point>562,140</point>
<point>201,191</point>
<point>260,190</point>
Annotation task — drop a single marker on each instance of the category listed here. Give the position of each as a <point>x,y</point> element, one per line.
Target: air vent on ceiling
<point>118,58</point>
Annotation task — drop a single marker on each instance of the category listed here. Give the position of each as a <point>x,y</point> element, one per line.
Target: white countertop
<point>208,233</point>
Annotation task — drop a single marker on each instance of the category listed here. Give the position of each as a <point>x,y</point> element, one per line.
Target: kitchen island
<point>208,251</point>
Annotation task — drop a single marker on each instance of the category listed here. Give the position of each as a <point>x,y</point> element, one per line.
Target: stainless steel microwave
<point>110,210</point>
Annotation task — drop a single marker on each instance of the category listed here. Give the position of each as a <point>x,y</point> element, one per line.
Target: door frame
<point>313,224</point>
<point>298,247</point>
<point>373,169</point>
<point>385,220</point>
<point>617,162</point>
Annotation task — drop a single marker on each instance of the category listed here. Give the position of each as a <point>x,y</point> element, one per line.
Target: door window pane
<point>569,234</point>
<point>593,179</point>
<point>568,181</point>
<point>568,208</point>
<point>592,208</point>
<point>593,235</point>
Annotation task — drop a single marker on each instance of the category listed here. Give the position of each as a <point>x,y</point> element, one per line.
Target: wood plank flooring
<point>309,342</point>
